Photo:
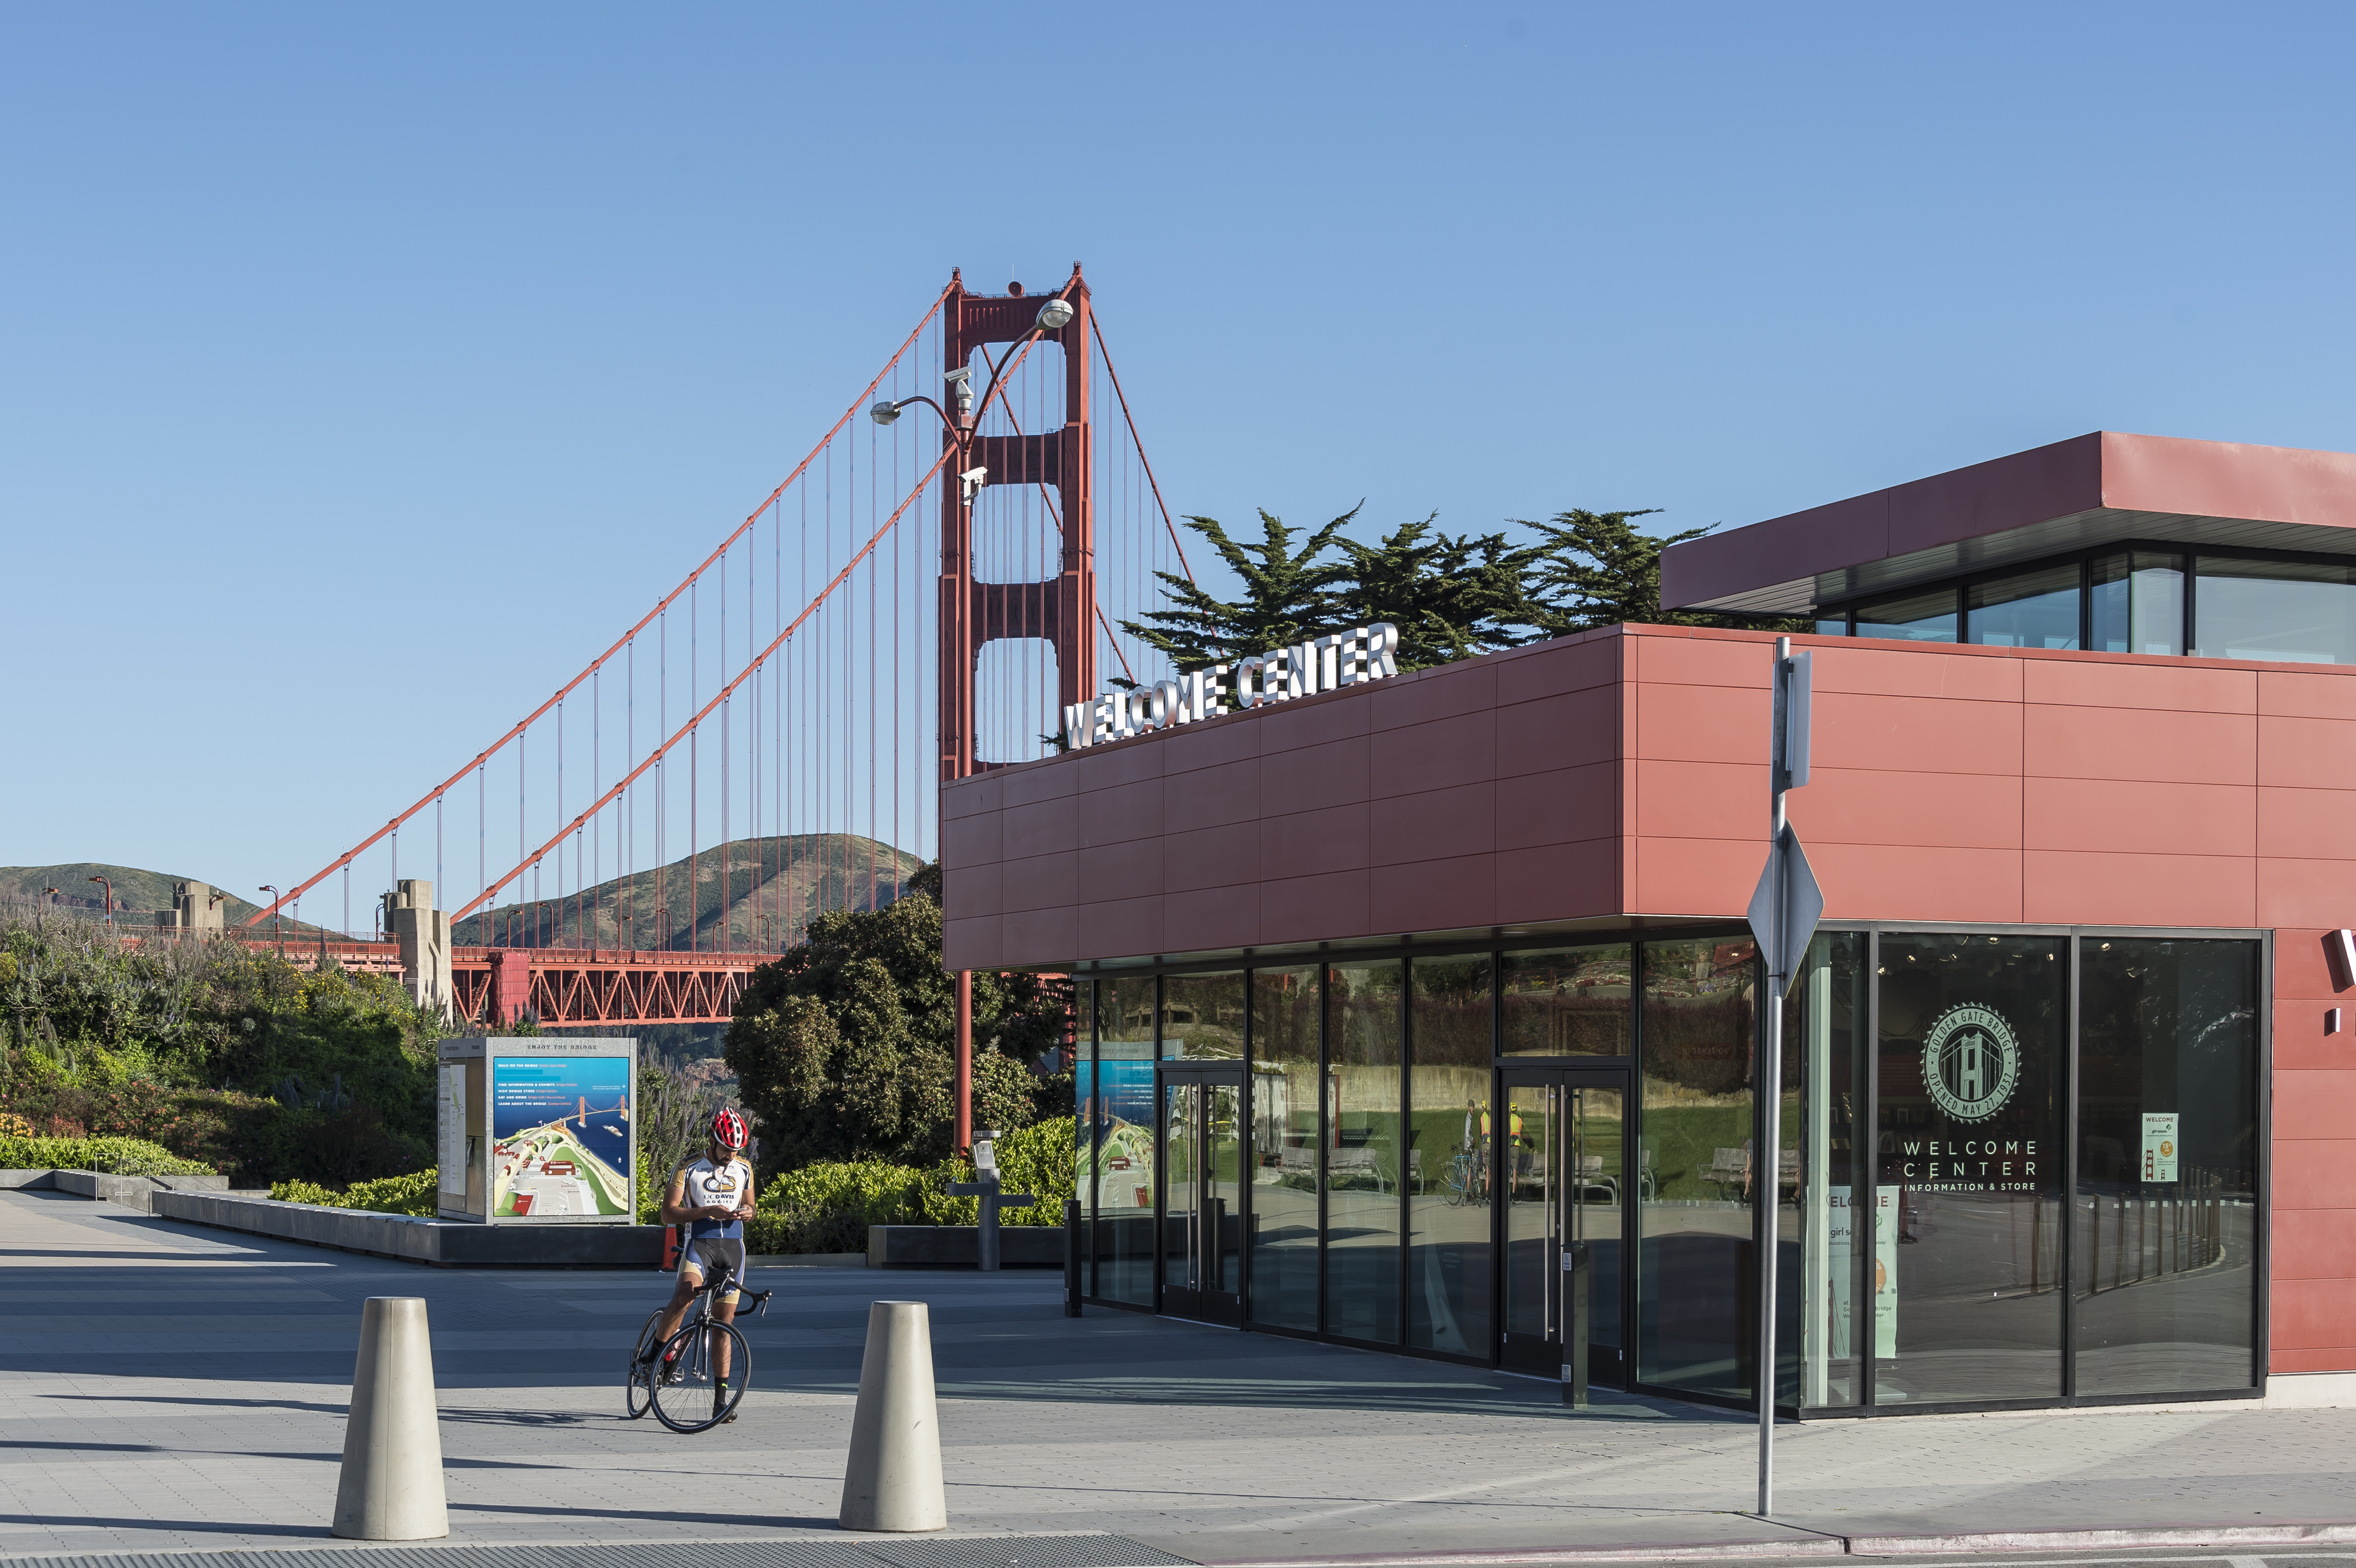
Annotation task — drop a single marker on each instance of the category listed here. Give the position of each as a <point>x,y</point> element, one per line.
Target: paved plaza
<point>165,1387</point>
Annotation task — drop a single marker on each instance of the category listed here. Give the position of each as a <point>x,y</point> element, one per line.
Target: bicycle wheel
<point>636,1395</point>
<point>685,1405</point>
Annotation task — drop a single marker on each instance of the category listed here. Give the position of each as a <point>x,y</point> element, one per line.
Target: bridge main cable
<point>721,696</point>
<point>624,641</point>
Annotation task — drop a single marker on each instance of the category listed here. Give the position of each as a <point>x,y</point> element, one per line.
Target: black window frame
<point>1862,1173</point>
<point>2188,555</point>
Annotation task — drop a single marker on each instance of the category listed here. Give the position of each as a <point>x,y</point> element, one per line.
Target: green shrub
<point>828,1207</point>
<point>112,1156</point>
<point>415,1195</point>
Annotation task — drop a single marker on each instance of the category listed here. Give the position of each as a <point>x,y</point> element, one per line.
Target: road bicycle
<point>678,1377</point>
<point>1466,1180</point>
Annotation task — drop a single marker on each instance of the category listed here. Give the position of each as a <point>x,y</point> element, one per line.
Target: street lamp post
<point>40,921</point>
<point>102,882</point>
<point>960,428</point>
<point>273,917</point>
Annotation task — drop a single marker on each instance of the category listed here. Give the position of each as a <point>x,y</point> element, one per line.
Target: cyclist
<point>712,1196</point>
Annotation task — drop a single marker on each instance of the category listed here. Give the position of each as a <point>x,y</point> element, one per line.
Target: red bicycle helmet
<point>729,1131</point>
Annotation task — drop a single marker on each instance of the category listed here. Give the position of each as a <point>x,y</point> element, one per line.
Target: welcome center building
<point>1418,1011</point>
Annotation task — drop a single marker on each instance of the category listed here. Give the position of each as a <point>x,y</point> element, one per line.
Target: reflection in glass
<point>1202,1017</point>
<point>2274,609</point>
<point>1566,1001</point>
<point>2135,604</point>
<point>1201,1208</point>
<point>1970,1165</point>
<point>2165,1244</point>
<point>1565,1176</point>
<point>1362,1205</point>
<point>1182,1186</point>
<point>1917,618</point>
<point>1223,1191</point>
<point>1825,1047</point>
<point>1087,1128</point>
<point>2035,610</point>
<point>1595,1176</point>
<point>1832,625</point>
<point>1124,1112</point>
<point>1449,1018</point>
<point>1284,1148</point>
<point>1696,1270</point>
<point>1534,1218</point>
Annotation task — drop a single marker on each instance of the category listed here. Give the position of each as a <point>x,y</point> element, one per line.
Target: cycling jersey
<point>711,1186</point>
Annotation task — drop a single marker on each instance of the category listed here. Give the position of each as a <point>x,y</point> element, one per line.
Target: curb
<point>2098,1540</point>
<point>1811,1545</point>
<point>1815,1544</point>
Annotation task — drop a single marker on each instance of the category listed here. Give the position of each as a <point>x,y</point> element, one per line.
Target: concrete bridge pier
<point>422,933</point>
<point>197,906</point>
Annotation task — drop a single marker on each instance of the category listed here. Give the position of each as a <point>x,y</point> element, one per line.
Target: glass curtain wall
<point>2035,610</point>
<point>2296,611</point>
<point>1087,1124</point>
<point>1696,1270</point>
<point>1974,1033</point>
<point>1916,618</point>
<point>2135,604</point>
<point>1924,1270</point>
<point>1362,1158</point>
<point>1567,1001</point>
<point>1285,1166</point>
<point>1820,1341</point>
<point>1126,1144</point>
<point>2165,1250</point>
<point>1450,1023</point>
<point>1202,1017</point>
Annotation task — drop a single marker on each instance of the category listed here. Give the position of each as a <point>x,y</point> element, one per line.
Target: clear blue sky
<point>364,369</point>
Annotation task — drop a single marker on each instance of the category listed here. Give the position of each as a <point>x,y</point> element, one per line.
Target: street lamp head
<point>884,412</point>
<point>1054,315</point>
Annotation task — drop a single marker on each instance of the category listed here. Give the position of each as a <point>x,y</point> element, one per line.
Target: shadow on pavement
<point>194,1526</point>
<point>664,1516</point>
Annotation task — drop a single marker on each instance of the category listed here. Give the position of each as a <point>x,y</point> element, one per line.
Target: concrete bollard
<point>894,1479</point>
<point>392,1486</point>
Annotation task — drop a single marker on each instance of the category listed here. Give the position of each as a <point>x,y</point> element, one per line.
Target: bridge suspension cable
<point>764,746</point>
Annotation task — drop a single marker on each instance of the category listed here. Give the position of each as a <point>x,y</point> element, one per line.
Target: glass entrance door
<point>1562,1177</point>
<point>1201,1193</point>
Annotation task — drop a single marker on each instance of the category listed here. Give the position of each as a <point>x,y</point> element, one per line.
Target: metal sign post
<point>1783,914</point>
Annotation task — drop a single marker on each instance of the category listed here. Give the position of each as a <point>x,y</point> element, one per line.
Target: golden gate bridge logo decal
<point>1971,1062</point>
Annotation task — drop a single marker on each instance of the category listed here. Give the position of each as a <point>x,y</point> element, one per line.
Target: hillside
<point>774,887</point>
<point>139,895</point>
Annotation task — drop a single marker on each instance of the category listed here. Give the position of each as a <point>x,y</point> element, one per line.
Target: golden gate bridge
<point>916,602</point>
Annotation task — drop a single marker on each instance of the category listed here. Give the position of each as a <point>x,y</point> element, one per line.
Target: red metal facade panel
<point>2106,469</point>
<point>2228,479</point>
<point>1987,498</point>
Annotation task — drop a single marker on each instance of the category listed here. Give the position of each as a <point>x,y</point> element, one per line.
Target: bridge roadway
<point>564,985</point>
<point>168,1388</point>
